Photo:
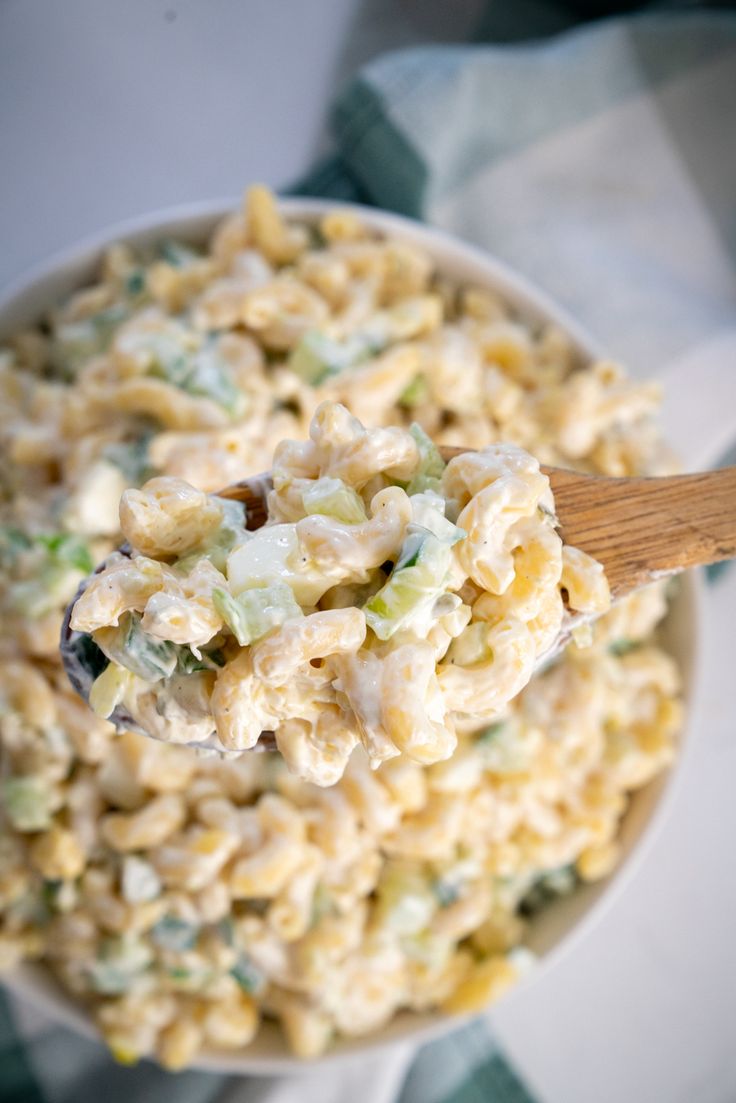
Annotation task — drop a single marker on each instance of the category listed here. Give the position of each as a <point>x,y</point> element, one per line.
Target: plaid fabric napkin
<point>602,164</point>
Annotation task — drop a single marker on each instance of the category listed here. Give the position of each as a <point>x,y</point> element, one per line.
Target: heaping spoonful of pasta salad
<point>372,589</point>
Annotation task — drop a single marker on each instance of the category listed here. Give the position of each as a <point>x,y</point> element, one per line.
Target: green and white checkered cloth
<point>602,164</point>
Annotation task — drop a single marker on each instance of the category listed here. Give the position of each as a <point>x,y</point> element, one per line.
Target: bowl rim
<point>21,296</point>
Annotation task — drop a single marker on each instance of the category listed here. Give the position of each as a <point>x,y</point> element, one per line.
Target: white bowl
<point>555,928</point>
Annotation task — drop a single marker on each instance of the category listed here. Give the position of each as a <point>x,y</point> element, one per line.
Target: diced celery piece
<point>211,377</point>
<point>61,559</point>
<point>27,802</point>
<point>129,646</point>
<point>248,975</point>
<point>446,891</point>
<point>119,963</point>
<point>131,457</point>
<point>253,613</point>
<point>74,343</point>
<point>415,394</point>
<point>428,511</point>
<point>67,550</point>
<point>334,498</point>
<point>188,663</point>
<point>13,542</point>
<point>622,647</point>
<point>172,933</point>
<point>65,559</point>
<point>431,465</point>
<point>318,356</point>
<point>416,582</point>
<point>202,372</point>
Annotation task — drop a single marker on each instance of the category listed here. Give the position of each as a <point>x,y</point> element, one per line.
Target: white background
<point>111,109</point>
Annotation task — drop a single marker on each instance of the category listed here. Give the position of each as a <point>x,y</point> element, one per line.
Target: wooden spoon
<point>641,530</point>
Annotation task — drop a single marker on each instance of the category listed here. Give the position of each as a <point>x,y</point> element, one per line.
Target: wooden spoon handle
<point>641,529</point>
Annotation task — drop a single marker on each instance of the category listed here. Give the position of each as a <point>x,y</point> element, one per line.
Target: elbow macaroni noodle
<point>181,897</point>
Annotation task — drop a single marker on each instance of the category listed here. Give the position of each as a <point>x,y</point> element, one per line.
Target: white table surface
<point>111,109</point>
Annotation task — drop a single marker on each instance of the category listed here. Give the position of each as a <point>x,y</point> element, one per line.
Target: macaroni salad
<point>388,600</point>
<point>185,897</point>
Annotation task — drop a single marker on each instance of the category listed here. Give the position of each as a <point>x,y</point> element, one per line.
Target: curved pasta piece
<point>487,686</point>
<point>412,706</point>
<point>278,657</point>
<point>485,554</point>
<point>125,586</point>
<point>348,451</point>
<point>348,552</point>
<point>167,517</point>
<point>471,472</point>
<point>241,707</point>
<point>317,751</point>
